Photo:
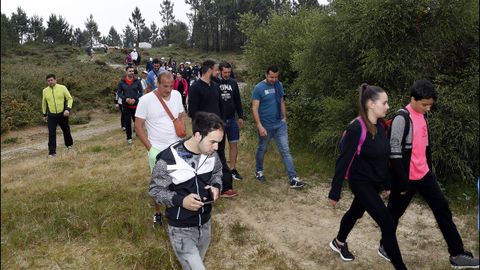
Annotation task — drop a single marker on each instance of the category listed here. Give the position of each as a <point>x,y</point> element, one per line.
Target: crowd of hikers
<point>379,158</point>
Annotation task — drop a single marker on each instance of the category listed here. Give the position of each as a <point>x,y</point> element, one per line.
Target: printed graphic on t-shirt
<point>226,91</point>
<point>268,91</point>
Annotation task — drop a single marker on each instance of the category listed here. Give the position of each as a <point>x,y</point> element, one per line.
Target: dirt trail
<point>298,224</point>
<point>36,139</point>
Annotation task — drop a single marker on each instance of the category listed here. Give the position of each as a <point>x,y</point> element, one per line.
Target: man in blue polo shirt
<point>270,114</point>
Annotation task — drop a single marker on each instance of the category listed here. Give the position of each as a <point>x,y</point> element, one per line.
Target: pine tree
<point>58,30</point>
<point>93,35</point>
<point>36,30</point>
<point>138,23</point>
<point>166,12</point>
<point>113,38</point>
<point>20,24</point>
<point>128,37</point>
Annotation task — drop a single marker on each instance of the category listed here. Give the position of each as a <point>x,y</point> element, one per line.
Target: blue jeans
<point>280,135</point>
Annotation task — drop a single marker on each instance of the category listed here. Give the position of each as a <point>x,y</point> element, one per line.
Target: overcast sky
<point>106,13</point>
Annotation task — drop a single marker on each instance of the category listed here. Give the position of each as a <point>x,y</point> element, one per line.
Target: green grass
<point>11,140</point>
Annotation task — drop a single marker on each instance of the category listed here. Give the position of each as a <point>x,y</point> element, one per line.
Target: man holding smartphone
<point>187,178</point>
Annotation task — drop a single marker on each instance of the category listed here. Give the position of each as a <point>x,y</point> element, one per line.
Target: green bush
<point>21,88</point>
<point>324,55</point>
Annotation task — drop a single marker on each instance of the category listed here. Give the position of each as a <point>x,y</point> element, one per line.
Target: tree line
<point>214,26</point>
<point>18,28</point>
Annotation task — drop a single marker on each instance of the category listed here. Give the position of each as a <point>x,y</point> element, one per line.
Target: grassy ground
<point>89,209</point>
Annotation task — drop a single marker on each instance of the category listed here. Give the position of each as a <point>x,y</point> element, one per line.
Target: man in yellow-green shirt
<point>56,105</point>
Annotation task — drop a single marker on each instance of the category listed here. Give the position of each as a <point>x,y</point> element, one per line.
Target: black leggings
<point>431,192</point>
<point>367,199</point>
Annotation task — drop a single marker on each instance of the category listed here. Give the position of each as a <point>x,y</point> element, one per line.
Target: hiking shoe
<point>229,193</point>
<point>236,175</point>
<point>129,141</point>
<point>464,261</point>
<point>296,183</point>
<point>260,177</point>
<point>342,250</point>
<point>157,220</point>
<point>383,253</point>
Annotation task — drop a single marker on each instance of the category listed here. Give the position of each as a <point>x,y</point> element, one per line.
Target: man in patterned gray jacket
<point>187,179</point>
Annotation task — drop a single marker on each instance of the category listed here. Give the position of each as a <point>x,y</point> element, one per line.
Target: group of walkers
<point>189,174</point>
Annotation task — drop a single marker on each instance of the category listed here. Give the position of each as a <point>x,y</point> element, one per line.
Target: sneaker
<point>296,183</point>
<point>236,175</point>
<point>464,261</point>
<point>69,147</point>
<point>157,220</point>
<point>260,177</point>
<point>123,128</point>
<point>342,250</point>
<point>229,193</point>
<point>129,141</point>
<point>52,155</point>
<point>381,251</point>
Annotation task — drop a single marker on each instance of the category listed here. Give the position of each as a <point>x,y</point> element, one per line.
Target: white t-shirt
<point>160,129</point>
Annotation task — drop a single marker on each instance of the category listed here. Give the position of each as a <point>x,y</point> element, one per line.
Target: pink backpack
<point>361,140</point>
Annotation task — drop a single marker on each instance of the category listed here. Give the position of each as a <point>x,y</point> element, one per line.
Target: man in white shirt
<point>151,115</point>
<point>134,55</point>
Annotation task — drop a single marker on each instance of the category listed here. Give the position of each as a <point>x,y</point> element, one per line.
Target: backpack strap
<point>363,135</point>
<point>361,140</point>
<point>403,112</point>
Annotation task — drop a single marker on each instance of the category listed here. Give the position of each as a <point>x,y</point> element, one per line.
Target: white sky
<point>105,12</point>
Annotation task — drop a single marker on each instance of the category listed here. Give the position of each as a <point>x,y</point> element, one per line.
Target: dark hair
<point>128,67</point>
<point>135,71</point>
<point>224,65</point>
<point>155,61</point>
<point>206,65</point>
<point>205,122</point>
<point>423,89</point>
<point>272,68</point>
<point>51,75</point>
<point>368,92</point>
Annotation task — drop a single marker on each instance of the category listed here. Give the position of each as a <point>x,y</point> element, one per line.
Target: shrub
<point>325,54</point>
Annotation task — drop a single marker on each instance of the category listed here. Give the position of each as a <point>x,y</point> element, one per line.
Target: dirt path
<point>36,139</point>
<point>298,224</point>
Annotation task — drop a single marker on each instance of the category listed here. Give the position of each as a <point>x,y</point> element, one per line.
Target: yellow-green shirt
<point>54,98</point>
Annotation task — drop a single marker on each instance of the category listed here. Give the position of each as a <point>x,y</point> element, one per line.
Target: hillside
<point>89,209</point>
<point>91,83</point>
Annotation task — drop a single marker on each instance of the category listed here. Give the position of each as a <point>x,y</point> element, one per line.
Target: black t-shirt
<point>204,97</point>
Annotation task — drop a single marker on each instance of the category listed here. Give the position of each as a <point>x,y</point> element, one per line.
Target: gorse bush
<point>23,78</point>
<point>325,54</point>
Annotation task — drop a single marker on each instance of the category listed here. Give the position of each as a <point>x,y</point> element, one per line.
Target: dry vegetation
<point>89,209</point>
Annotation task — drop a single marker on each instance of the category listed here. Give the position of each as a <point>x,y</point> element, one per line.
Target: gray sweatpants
<point>190,245</point>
